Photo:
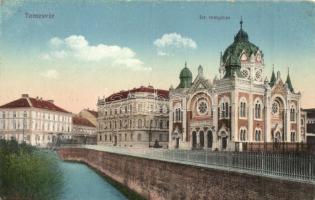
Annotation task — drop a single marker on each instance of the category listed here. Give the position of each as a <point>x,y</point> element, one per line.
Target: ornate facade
<point>134,118</point>
<point>238,108</point>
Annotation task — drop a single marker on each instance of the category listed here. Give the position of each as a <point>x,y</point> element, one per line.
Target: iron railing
<point>290,166</point>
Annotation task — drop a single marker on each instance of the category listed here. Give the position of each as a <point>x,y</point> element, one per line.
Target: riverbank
<point>162,180</point>
<point>125,191</point>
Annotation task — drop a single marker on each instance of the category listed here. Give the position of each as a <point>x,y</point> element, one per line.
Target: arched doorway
<point>278,136</point>
<point>210,139</point>
<point>224,143</point>
<point>115,140</point>
<point>278,110</point>
<point>194,139</point>
<point>202,139</point>
<point>177,143</point>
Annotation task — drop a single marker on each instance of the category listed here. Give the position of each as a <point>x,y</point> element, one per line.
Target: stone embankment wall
<point>154,179</point>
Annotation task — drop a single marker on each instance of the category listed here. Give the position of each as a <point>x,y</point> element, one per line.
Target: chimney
<point>51,101</point>
<point>24,95</point>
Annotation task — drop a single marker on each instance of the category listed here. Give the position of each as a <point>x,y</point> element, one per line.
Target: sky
<point>83,50</point>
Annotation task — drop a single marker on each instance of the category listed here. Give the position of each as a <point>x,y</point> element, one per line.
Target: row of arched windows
<point>257,109</point>
<point>132,124</point>
<point>141,107</point>
<point>120,138</point>
<point>243,134</point>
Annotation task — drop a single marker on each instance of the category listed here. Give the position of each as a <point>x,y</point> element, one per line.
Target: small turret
<point>288,82</point>
<point>273,77</point>
<point>200,71</point>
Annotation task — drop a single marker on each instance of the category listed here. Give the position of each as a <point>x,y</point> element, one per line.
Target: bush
<point>28,173</point>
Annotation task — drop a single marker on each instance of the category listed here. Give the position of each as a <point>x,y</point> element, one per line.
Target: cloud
<point>77,47</point>
<point>172,41</point>
<point>51,74</point>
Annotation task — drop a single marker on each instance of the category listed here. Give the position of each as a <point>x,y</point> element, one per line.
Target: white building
<point>134,118</point>
<point>36,121</point>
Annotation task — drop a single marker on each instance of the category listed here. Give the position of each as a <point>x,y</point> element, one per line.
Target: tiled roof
<point>81,121</point>
<point>124,94</point>
<point>35,103</point>
<point>19,103</point>
<point>93,112</point>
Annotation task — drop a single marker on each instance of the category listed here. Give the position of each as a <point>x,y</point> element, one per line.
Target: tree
<point>29,173</point>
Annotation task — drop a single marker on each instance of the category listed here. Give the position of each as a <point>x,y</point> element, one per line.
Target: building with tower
<point>237,110</point>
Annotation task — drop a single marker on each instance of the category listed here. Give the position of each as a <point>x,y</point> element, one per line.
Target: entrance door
<point>177,143</point>
<point>278,137</point>
<point>115,140</point>
<point>202,140</point>
<point>210,139</point>
<point>194,140</point>
<point>224,143</point>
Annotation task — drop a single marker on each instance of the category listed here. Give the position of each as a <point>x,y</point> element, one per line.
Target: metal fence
<point>292,166</point>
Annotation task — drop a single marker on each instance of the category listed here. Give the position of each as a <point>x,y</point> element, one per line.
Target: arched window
<point>243,108</point>
<point>224,108</point>
<point>139,123</point>
<point>293,136</point>
<point>292,113</point>
<point>161,124</point>
<point>139,107</point>
<point>178,115</point>
<point>257,135</point>
<point>242,134</point>
<point>258,107</point>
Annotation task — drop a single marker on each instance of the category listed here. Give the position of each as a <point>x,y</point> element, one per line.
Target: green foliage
<point>28,173</point>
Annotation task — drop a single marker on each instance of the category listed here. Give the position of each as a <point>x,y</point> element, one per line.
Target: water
<point>82,183</point>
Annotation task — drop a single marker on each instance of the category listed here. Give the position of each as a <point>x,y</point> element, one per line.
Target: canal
<point>82,183</point>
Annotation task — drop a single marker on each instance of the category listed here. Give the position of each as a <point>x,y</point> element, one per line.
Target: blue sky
<point>283,31</point>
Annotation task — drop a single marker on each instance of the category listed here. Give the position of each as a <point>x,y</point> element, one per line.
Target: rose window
<point>245,73</point>
<point>202,107</point>
<point>275,108</point>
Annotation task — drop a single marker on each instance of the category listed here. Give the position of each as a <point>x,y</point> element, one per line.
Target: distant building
<point>239,109</point>
<point>310,124</point>
<point>134,118</point>
<point>83,131</point>
<point>91,115</point>
<point>36,121</point>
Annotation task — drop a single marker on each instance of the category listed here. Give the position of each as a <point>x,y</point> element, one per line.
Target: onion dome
<point>231,56</point>
<point>185,77</point>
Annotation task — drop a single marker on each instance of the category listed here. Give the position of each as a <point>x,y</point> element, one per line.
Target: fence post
<point>262,162</point>
<point>310,167</point>
<point>206,156</point>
